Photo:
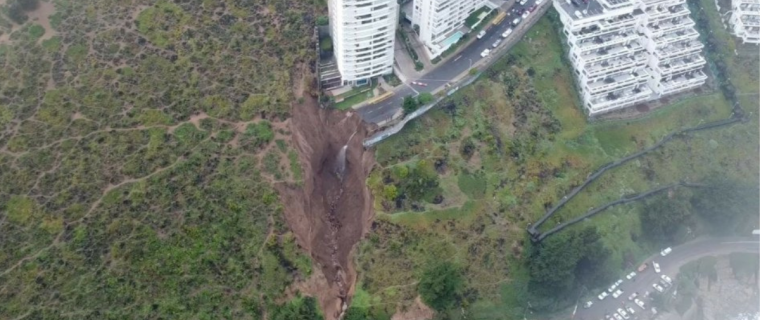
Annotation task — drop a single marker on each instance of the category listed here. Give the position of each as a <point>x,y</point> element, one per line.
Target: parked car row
<point>627,312</point>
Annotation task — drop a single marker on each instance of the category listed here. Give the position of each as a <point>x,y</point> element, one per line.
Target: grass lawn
<point>355,96</point>
<point>513,144</point>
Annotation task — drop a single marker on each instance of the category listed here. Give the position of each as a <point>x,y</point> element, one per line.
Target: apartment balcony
<point>618,22</point>
<point>599,55</point>
<point>748,8</point>
<point>661,12</point>
<point>663,27</point>
<point>592,32</point>
<point>680,65</point>
<point>678,49</point>
<point>664,3</point>
<point>750,20</point>
<point>750,35</point>
<point>743,2</point>
<point>614,65</point>
<point>606,41</point>
<point>681,82</point>
<point>673,37</point>
<point>616,82</point>
<point>619,98</point>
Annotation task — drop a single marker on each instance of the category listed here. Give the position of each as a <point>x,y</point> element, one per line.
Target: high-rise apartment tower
<point>363,33</point>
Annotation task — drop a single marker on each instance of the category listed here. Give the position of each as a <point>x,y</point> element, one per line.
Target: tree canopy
<point>440,285</point>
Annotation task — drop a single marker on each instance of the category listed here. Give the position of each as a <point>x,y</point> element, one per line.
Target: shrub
<point>323,21</point>
<point>410,104</point>
<point>440,285</point>
<point>425,98</point>
<point>326,44</point>
<point>418,65</point>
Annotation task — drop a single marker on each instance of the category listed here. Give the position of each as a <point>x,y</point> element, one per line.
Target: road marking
<point>457,58</point>
<point>415,91</point>
<point>740,242</point>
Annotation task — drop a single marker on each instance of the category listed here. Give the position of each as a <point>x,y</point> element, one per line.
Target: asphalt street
<point>669,266</point>
<point>445,73</point>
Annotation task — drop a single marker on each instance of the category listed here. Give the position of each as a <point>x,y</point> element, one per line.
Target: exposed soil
<point>329,214</point>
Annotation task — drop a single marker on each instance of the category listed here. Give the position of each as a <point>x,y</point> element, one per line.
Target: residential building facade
<point>440,22</point>
<point>363,33</point>
<point>745,20</point>
<point>627,52</point>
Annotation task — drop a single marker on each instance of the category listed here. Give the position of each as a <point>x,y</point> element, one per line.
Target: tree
<point>297,309</point>
<point>409,104</point>
<point>354,313</point>
<point>727,206</point>
<point>566,260</point>
<point>425,98</point>
<point>663,216</point>
<point>440,285</point>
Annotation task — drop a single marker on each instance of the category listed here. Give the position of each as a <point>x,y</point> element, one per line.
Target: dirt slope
<point>329,214</point>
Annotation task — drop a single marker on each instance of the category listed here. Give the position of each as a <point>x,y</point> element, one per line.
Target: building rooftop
<point>580,9</point>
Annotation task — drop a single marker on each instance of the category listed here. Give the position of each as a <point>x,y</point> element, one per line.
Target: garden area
<point>465,180</point>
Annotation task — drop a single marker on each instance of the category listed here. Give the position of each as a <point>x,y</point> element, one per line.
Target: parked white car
<point>523,2</point>
<point>485,53</point>
<point>588,304</point>
<point>496,43</point>
<point>622,313</point>
<point>602,295</point>
<point>656,267</point>
<point>630,310</point>
<point>481,34</point>
<point>666,251</point>
<point>617,316</point>
<point>639,303</point>
<point>619,282</point>
<point>631,275</point>
<point>506,33</point>
<point>666,278</point>
<point>516,21</point>
<point>657,287</point>
<point>633,296</point>
<point>525,14</point>
<point>617,293</point>
<point>611,289</point>
<point>539,2</point>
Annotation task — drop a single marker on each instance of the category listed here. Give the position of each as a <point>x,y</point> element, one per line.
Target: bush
<point>409,105</point>
<point>425,98</point>
<point>297,309</point>
<point>323,21</point>
<point>440,285</point>
<point>418,65</point>
<point>16,9</point>
<point>326,45</point>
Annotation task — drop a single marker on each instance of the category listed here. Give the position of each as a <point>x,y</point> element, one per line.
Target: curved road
<point>669,265</point>
<point>450,69</point>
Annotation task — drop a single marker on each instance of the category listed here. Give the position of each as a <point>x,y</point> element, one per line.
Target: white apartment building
<point>363,33</point>
<point>745,20</point>
<point>626,52</point>
<point>441,22</point>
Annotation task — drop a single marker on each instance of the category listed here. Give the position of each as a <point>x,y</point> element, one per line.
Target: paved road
<point>444,73</point>
<point>669,265</point>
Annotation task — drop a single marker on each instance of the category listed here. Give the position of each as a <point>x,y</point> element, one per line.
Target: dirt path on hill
<point>329,215</point>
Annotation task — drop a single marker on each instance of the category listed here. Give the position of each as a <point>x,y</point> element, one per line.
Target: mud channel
<point>330,212</point>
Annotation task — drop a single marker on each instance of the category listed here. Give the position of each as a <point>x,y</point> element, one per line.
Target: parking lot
<point>621,296</point>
